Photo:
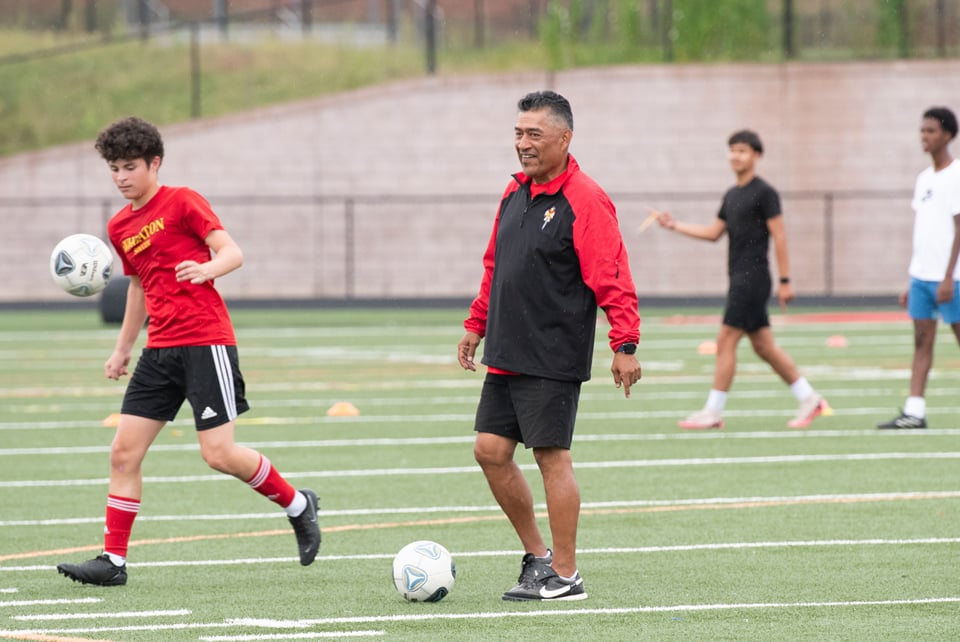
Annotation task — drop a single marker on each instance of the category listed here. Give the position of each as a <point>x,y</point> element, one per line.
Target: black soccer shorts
<point>747,302</point>
<point>538,412</point>
<point>208,376</point>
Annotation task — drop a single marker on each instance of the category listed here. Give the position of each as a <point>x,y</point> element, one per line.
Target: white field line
<point>492,508</point>
<point>96,616</point>
<point>20,603</point>
<point>637,550</point>
<point>748,372</point>
<point>317,635</point>
<point>393,442</point>
<point>9,590</point>
<point>293,636</point>
<point>421,617</point>
<point>489,615</point>
<point>459,470</point>
<point>470,401</point>
<point>468,418</point>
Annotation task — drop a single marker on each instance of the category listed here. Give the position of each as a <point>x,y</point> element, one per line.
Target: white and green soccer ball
<point>81,264</point>
<point>424,571</point>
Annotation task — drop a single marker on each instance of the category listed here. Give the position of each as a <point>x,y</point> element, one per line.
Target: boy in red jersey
<point>173,246</point>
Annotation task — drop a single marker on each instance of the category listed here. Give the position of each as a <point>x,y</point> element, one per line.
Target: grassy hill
<point>68,96</point>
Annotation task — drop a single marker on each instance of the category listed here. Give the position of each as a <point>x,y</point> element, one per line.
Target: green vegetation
<point>752,533</point>
<point>85,81</point>
<point>69,97</point>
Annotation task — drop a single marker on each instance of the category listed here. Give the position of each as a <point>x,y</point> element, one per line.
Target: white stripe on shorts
<point>221,361</point>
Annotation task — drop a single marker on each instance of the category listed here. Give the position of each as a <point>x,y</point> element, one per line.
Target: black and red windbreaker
<point>554,256</point>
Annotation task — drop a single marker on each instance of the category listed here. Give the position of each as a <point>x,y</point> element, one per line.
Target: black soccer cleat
<point>99,571</point>
<point>307,529</point>
<point>903,422</point>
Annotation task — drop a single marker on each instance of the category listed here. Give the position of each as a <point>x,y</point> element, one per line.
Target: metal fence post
<point>430,31</point>
<point>195,103</point>
<point>306,16</point>
<point>667,31</point>
<point>221,14</point>
<point>788,48</point>
<point>349,255</point>
<point>143,18</point>
<point>828,242</point>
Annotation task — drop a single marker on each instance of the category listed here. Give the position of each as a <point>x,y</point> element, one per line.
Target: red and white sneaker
<point>702,420</point>
<point>810,408</point>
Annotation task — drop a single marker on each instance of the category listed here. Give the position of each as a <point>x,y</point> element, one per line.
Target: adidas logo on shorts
<point>208,413</point>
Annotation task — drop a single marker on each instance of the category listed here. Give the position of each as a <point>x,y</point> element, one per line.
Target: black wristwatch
<point>627,348</point>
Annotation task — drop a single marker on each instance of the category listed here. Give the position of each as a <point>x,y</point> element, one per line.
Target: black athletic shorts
<point>537,412</point>
<point>208,376</point>
<point>747,302</point>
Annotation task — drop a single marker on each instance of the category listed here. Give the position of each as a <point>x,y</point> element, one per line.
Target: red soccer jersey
<point>151,241</point>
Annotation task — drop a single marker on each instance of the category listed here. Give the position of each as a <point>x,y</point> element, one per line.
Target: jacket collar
<point>553,186</point>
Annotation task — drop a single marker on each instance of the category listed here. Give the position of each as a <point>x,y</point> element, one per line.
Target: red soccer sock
<point>121,511</point>
<point>271,484</point>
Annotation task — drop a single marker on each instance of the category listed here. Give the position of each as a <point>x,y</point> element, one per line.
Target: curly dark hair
<point>128,139</point>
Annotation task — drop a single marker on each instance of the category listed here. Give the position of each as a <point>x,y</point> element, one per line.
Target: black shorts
<point>537,412</point>
<point>747,302</point>
<point>208,376</point>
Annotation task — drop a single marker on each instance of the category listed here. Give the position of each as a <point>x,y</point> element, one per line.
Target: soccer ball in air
<point>424,571</point>
<point>81,264</point>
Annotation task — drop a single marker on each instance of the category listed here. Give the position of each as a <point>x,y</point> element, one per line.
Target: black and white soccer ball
<point>424,571</point>
<point>81,264</point>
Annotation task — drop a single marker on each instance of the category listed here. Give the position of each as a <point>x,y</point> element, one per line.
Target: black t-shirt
<point>746,211</point>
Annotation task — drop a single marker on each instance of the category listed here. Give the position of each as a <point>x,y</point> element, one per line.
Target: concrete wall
<point>390,191</point>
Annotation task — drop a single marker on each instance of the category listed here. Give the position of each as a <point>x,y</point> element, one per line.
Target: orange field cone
<point>707,347</point>
<point>112,420</point>
<point>342,409</point>
<point>837,341</point>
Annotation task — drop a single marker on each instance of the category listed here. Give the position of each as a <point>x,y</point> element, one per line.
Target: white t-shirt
<point>936,200</point>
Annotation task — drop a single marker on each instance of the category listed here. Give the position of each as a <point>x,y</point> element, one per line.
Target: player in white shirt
<point>934,273</point>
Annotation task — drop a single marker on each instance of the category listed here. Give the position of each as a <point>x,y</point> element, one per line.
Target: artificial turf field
<point>755,532</point>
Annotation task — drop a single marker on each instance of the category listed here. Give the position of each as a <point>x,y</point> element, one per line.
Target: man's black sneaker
<point>903,422</point>
<point>549,586</point>
<point>100,571</point>
<point>532,570</point>
<point>307,529</point>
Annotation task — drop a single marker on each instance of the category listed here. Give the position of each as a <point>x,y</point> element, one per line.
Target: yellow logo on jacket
<point>548,216</point>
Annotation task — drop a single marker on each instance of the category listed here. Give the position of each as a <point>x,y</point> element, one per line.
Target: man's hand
<point>626,371</point>
<point>466,350</point>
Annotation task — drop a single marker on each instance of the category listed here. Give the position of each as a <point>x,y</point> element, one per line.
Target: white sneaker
<point>810,408</point>
<point>702,420</point>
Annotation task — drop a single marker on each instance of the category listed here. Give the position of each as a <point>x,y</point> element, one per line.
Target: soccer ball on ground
<point>81,264</point>
<point>424,571</point>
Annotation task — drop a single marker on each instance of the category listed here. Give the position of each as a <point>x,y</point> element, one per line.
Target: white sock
<point>569,579</point>
<point>716,400</point>
<point>915,407</point>
<point>801,388</point>
<point>116,560</point>
<point>297,506</point>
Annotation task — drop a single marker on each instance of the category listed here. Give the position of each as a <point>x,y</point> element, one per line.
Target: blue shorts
<point>922,302</point>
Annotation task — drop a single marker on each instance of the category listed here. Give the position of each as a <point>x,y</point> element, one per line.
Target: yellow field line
<point>37,637</point>
<point>470,519</point>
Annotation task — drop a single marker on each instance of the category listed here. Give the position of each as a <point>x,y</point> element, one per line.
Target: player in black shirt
<point>750,215</point>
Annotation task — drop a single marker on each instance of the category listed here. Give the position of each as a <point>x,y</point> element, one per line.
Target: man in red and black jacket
<point>555,256</point>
